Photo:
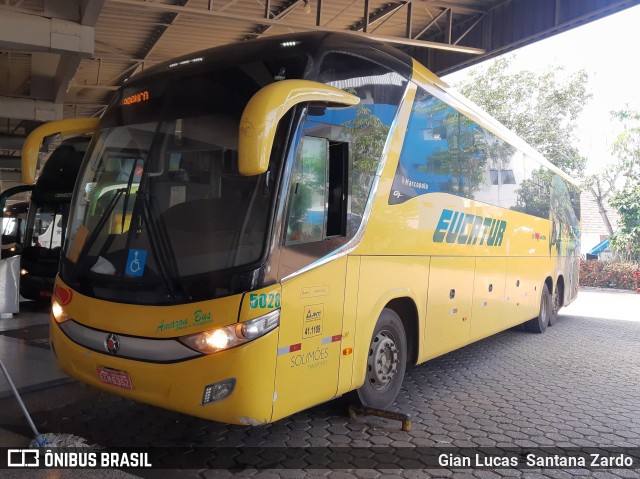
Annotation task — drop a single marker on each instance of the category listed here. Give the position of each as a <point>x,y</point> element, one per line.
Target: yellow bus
<point>261,227</point>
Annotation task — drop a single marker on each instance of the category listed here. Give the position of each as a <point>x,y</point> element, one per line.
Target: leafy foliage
<point>533,194</point>
<point>464,159</point>
<point>610,274</point>
<point>542,108</point>
<point>626,242</point>
<point>370,135</point>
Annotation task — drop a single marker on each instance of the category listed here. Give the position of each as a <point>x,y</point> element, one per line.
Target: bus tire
<point>386,362</point>
<point>555,305</point>
<point>539,324</point>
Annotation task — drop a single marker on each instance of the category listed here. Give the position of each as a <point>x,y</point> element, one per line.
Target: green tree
<point>465,157</point>
<point>542,108</point>
<point>626,147</point>
<point>534,194</point>
<point>627,200</point>
<point>368,135</point>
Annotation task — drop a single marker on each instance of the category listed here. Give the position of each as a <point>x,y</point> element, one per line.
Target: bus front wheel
<point>386,362</point>
<point>539,324</point>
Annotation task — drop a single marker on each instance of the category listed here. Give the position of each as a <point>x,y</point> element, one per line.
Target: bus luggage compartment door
<point>488,297</point>
<point>449,304</point>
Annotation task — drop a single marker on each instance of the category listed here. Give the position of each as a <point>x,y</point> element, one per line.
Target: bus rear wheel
<point>539,324</point>
<point>555,305</point>
<point>386,362</point>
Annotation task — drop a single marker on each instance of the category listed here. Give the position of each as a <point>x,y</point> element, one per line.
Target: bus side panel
<point>488,296</point>
<point>345,377</point>
<point>449,304</point>
<point>525,277</point>
<point>383,279</point>
<point>309,346</point>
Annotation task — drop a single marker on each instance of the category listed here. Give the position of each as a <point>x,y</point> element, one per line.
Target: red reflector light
<point>63,295</point>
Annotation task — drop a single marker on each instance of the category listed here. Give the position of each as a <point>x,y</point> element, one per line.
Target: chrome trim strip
<point>357,238</point>
<point>151,350</point>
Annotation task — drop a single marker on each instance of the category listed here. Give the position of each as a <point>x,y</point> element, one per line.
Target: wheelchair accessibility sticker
<point>136,262</point>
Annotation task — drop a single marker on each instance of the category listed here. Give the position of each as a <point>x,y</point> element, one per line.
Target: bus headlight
<point>23,272</point>
<point>58,313</point>
<point>228,337</point>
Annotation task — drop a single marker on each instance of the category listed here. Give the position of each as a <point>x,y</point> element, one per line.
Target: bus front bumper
<point>248,370</point>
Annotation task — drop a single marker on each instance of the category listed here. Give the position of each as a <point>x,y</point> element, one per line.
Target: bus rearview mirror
<point>265,109</point>
<point>33,142</point>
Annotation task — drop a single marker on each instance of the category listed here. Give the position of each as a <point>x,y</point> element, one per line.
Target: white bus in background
<point>52,236</point>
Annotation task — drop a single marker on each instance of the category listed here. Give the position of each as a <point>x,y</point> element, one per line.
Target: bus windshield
<point>160,209</point>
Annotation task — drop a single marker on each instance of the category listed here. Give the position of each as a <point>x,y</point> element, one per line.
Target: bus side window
<point>309,191</point>
<point>318,192</point>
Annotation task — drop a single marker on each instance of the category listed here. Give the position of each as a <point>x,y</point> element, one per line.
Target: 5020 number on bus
<point>271,300</point>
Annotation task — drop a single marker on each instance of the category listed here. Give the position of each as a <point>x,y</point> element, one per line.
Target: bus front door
<point>309,347</point>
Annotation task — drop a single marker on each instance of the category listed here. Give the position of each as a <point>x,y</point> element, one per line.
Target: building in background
<point>592,225</point>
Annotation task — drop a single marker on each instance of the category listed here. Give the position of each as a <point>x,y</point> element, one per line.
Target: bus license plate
<point>119,379</point>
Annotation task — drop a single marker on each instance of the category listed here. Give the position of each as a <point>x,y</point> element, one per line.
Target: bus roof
<point>312,44</point>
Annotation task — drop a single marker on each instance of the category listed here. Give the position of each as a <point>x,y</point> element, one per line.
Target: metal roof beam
<point>456,7</point>
<point>227,5</point>
<point>430,24</point>
<point>152,43</point>
<point>27,109</point>
<point>265,21</point>
<point>384,12</point>
<point>282,12</point>
<point>20,31</point>
<point>473,25</point>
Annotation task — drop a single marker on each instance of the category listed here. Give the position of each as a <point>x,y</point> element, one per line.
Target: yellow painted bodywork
<point>462,292</point>
<point>311,317</point>
<point>177,386</point>
<point>459,293</point>
<point>33,142</point>
<point>265,109</point>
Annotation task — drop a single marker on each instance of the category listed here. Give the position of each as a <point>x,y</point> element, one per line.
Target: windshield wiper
<point>161,248</point>
<point>91,239</point>
<point>125,203</point>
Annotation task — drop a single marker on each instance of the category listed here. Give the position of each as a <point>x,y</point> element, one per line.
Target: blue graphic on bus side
<point>136,262</point>
<point>468,229</point>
